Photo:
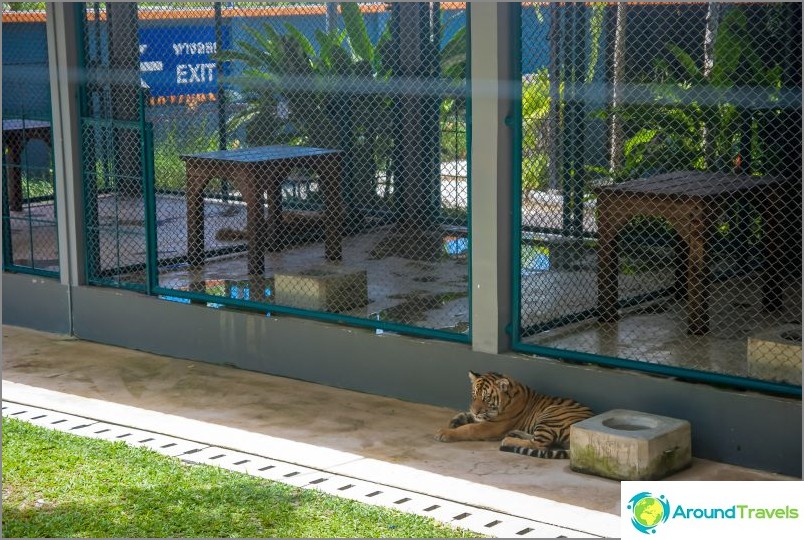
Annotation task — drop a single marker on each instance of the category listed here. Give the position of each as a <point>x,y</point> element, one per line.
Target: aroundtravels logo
<point>648,511</point>
<point>677,509</point>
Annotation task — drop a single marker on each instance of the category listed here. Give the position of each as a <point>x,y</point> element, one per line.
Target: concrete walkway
<point>362,436</point>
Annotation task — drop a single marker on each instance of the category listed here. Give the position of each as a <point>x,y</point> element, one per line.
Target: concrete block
<point>630,445</point>
<point>325,288</point>
<point>776,354</point>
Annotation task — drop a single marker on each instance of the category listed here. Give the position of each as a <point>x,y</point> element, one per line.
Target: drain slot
<point>377,495</point>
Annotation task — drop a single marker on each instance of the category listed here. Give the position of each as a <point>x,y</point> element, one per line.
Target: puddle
<point>535,258</point>
<point>226,288</point>
<point>414,306</point>
<point>456,246</point>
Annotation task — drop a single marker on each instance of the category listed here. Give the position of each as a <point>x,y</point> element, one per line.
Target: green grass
<point>61,485</point>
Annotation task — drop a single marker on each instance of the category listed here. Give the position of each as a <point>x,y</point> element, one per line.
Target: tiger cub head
<point>491,394</point>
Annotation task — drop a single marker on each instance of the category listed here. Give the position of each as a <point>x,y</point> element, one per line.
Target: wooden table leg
<point>329,174</point>
<point>195,218</point>
<point>699,230</point>
<point>255,226</point>
<point>680,255</point>
<point>273,199</point>
<point>770,206</point>
<point>608,262</point>
<point>14,173</point>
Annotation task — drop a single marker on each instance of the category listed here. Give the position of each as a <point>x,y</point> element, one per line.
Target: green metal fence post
<point>516,174</point>
<point>149,200</point>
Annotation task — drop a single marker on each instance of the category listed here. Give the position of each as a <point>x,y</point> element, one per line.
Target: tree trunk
<point>618,67</point>
<point>417,180</point>
<point>124,71</point>
<point>554,111</point>
<point>708,131</point>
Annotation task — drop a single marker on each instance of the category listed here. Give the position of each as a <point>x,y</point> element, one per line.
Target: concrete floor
<point>372,426</point>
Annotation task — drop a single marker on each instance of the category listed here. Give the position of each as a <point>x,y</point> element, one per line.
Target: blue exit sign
<point>178,60</point>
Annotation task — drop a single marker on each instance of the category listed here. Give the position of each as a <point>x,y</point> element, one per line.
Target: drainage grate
<point>479,520</point>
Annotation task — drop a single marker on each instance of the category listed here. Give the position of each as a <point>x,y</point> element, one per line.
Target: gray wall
<point>742,428</point>
<point>35,302</point>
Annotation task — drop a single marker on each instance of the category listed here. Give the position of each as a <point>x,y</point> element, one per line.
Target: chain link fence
<point>290,157</point>
<point>661,186</point>
<point>30,242</point>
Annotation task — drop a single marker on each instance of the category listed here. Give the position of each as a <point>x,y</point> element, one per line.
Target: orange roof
<point>148,14</point>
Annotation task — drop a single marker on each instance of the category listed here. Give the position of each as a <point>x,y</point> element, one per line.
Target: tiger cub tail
<point>529,444</point>
<point>546,453</point>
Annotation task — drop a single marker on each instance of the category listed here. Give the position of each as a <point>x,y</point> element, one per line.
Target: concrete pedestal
<point>630,445</point>
<point>326,288</point>
<point>776,354</point>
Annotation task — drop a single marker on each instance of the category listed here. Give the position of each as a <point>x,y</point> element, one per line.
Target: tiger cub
<point>528,423</point>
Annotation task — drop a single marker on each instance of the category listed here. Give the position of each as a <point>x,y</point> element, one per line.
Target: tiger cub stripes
<point>527,422</point>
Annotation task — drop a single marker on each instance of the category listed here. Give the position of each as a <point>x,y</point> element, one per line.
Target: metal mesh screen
<point>306,158</point>
<point>661,184</point>
<point>30,242</point>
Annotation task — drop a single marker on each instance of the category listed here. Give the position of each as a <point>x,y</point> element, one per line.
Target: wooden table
<point>691,202</point>
<point>255,172</point>
<point>16,134</point>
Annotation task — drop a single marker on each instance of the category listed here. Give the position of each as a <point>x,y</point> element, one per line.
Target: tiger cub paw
<point>443,435</point>
<point>461,419</point>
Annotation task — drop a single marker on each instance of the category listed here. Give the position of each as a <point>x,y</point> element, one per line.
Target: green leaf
<point>453,55</point>
<point>693,73</point>
<point>729,46</point>
<point>539,15</point>
<point>328,43</point>
<point>595,31</point>
<point>269,44</point>
<point>356,30</point>
<point>643,136</point>
<point>301,39</point>
<point>536,96</point>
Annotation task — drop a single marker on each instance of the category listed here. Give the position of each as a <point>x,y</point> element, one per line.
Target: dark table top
<point>261,154</point>
<point>19,124</point>
<point>691,184</point>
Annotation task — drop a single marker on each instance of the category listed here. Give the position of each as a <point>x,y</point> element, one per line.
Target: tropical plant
<point>687,128</point>
<point>295,93</point>
<point>329,95</point>
<point>535,111</point>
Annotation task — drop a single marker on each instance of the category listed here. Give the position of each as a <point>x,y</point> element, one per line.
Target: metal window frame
<point>732,382</point>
